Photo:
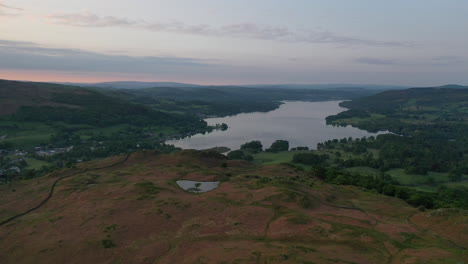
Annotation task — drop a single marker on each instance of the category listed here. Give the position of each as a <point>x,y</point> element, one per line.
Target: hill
<point>428,146</point>
<point>407,111</point>
<point>211,100</point>
<point>130,210</point>
<point>48,102</point>
<point>342,86</point>
<point>223,94</point>
<point>15,94</point>
<point>224,100</point>
<point>420,98</point>
<point>142,85</point>
<point>134,85</point>
<point>27,101</point>
<point>44,126</point>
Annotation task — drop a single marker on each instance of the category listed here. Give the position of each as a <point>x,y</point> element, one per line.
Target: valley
<point>88,175</point>
<point>45,126</point>
<point>233,132</point>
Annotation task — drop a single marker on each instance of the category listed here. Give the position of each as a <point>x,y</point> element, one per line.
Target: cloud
<point>80,65</point>
<point>90,20</point>
<point>447,60</point>
<point>375,61</point>
<point>31,56</point>
<point>6,10</point>
<point>240,30</point>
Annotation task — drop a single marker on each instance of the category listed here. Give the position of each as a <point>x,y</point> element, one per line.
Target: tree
<point>455,175</point>
<point>254,146</point>
<point>419,198</point>
<point>389,190</point>
<point>278,146</point>
<point>309,158</point>
<point>239,155</point>
<point>236,155</point>
<point>6,146</point>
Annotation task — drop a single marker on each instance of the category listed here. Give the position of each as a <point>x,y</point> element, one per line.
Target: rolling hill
<point>142,85</point>
<point>88,123</point>
<point>27,101</point>
<point>427,149</point>
<point>130,210</point>
<point>435,97</point>
<point>14,94</point>
<point>134,85</point>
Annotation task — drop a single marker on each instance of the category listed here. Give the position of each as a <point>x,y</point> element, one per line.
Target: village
<point>14,162</point>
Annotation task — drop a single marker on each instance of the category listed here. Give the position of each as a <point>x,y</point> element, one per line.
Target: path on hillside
<point>52,188</point>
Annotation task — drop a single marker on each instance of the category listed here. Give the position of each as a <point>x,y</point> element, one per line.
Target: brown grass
<point>232,224</point>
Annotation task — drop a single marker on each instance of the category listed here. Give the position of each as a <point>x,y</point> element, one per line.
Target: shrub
<point>299,219</point>
<point>107,243</point>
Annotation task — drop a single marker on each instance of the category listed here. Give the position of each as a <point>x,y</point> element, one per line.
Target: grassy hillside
<point>226,100</point>
<point>134,212</point>
<point>415,99</point>
<point>429,149</point>
<point>405,111</point>
<point>15,94</point>
<point>57,103</point>
<point>61,125</point>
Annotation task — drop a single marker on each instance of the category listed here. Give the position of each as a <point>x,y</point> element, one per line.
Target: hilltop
<point>142,85</point>
<point>27,101</point>
<point>14,94</point>
<point>420,98</point>
<point>134,84</point>
<point>436,109</point>
<point>133,212</point>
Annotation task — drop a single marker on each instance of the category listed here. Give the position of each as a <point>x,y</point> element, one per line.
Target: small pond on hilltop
<point>197,186</point>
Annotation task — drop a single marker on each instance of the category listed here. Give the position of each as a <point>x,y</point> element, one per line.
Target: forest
<point>426,149</point>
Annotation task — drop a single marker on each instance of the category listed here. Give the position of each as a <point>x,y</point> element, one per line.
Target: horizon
<point>239,85</point>
<point>235,43</point>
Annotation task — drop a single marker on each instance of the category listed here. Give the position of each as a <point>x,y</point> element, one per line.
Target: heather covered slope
<point>134,212</point>
<point>46,102</point>
<point>53,125</point>
<point>15,94</point>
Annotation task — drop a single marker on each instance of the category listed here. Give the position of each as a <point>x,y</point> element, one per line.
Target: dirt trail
<point>52,189</point>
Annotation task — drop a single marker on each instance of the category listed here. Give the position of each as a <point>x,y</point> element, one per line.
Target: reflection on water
<point>197,186</point>
<point>301,123</point>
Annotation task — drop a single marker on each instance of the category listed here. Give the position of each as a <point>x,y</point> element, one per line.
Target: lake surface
<point>197,186</point>
<point>300,123</point>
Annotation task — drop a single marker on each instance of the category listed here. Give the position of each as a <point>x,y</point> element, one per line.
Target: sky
<point>398,42</point>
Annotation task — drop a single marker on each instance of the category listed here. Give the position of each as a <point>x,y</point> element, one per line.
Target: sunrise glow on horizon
<point>235,42</point>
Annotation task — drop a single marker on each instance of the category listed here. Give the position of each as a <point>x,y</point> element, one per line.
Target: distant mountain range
<point>142,85</point>
<point>134,85</point>
<point>341,86</point>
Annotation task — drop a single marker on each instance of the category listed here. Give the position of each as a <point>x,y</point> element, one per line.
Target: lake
<point>300,123</point>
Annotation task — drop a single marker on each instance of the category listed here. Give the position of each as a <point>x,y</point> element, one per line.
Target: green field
<point>35,163</point>
<point>413,179</point>
<point>269,158</point>
<point>363,170</point>
<point>25,134</point>
<point>430,182</point>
